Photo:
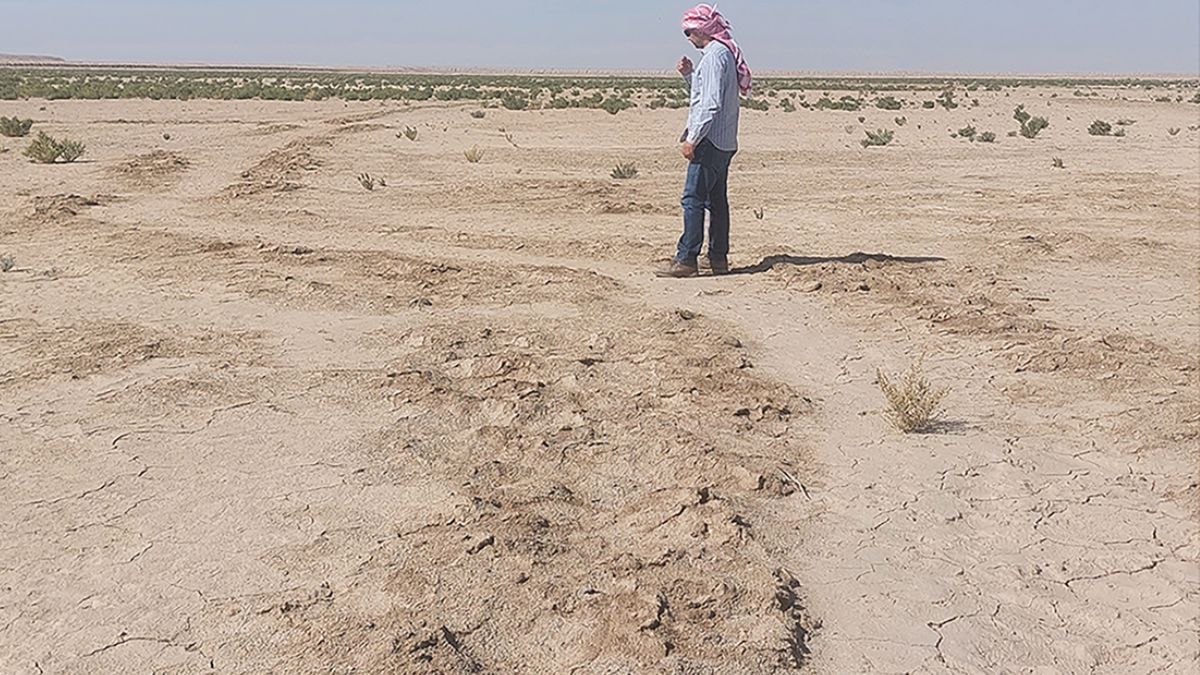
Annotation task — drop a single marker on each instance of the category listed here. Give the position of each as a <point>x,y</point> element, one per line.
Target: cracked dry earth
<point>257,419</point>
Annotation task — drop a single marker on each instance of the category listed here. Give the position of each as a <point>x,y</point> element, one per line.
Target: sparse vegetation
<point>913,403</point>
<point>1126,122</point>
<point>878,138</point>
<point>946,100</point>
<point>760,213</point>
<point>756,104</point>
<point>369,182</point>
<point>1100,128</point>
<point>888,103</point>
<point>474,154</point>
<point>929,105</point>
<point>614,105</point>
<point>1030,126</point>
<point>46,149</point>
<point>901,121</point>
<point>7,263</point>
<point>847,103</point>
<point>478,114</point>
<point>15,128</point>
<point>625,171</point>
<point>410,133</point>
<point>1173,131</point>
<point>1059,164</point>
<point>967,132</point>
<point>986,137</point>
<point>787,106</point>
<point>1119,133</point>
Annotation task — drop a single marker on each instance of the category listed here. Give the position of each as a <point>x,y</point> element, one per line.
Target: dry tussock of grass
<point>913,403</point>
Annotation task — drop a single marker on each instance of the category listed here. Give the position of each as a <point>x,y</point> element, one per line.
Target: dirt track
<point>258,419</point>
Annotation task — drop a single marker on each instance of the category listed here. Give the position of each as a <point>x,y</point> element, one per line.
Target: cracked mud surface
<point>258,419</point>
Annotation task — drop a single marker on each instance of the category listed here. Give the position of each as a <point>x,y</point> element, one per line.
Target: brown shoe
<point>714,268</point>
<point>677,270</point>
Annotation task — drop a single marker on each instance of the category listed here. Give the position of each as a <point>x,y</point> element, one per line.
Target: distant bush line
<point>514,92</point>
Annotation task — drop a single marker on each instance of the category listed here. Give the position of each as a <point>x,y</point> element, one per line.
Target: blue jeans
<point>706,189</point>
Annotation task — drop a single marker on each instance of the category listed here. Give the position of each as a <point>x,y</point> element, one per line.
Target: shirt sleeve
<point>709,80</point>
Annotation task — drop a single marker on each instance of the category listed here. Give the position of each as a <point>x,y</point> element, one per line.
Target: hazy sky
<point>1030,36</point>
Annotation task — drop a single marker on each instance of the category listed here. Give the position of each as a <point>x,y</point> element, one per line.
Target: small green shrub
<point>929,105</point>
<point>901,121</point>
<point>15,128</point>
<point>1100,128</point>
<point>625,171</point>
<point>986,137</point>
<point>69,151</point>
<point>755,104</point>
<point>478,114</point>
<point>474,154</point>
<point>410,133</point>
<point>1030,126</point>
<point>1119,133</point>
<point>1059,164</point>
<point>878,138</point>
<point>1126,122</point>
<point>1173,131</point>
<point>369,182</point>
<point>46,149</point>
<point>946,100</point>
<point>888,103</point>
<point>613,105</point>
<point>967,132</point>
<point>514,102</point>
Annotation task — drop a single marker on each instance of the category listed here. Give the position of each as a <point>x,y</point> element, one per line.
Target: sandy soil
<point>259,419</point>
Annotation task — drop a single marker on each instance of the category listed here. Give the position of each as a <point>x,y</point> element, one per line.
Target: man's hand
<point>689,151</point>
<point>685,66</point>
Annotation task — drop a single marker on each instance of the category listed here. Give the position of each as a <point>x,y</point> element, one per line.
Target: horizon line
<point>57,62</point>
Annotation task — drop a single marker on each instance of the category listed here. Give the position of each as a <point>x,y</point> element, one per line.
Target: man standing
<point>710,141</point>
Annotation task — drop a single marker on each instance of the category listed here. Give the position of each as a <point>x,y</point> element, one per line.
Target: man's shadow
<point>770,262</point>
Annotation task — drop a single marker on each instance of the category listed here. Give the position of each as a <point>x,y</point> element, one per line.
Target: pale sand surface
<point>258,419</point>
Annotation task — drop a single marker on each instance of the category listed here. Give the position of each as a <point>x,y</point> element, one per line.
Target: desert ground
<point>258,418</point>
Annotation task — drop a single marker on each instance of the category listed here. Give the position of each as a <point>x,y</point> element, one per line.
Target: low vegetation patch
<point>1100,128</point>
<point>369,182</point>
<point>15,128</point>
<point>474,154</point>
<point>878,138</point>
<point>46,149</point>
<point>625,171</point>
<point>913,403</point>
<point>888,103</point>
<point>1030,126</point>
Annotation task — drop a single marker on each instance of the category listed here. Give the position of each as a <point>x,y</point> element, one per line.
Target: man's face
<point>698,39</point>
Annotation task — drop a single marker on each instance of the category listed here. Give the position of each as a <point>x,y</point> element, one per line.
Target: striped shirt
<point>715,101</point>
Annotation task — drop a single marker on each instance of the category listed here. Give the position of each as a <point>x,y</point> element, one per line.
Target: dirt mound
<point>160,168</point>
<point>588,507</point>
<point>377,280</point>
<point>280,170</point>
<point>1080,246</point>
<point>57,208</point>
<point>34,350</point>
<point>265,129</point>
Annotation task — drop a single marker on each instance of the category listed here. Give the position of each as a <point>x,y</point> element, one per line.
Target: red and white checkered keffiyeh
<point>707,20</point>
